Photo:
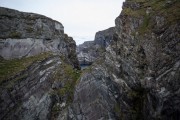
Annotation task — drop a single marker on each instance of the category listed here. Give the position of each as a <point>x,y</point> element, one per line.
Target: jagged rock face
<point>136,77</point>
<point>149,47</point>
<point>29,98</point>
<point>104,38</point>
<point>28,34</point>
<point>70,47</point>
<point>95,96</point>
<point>142,67</point>
<point>18,48</point>
<point>86,44</point>
<point>15,24</point>
<point>40,91</point>
<point>93,50</point>
<point>87,52</point>
<point>37,78</point>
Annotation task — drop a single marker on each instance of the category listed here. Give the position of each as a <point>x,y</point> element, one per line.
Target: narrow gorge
<point>133,68</point>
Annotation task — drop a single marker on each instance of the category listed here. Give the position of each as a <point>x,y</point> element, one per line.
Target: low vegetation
<point>9,68</point>
<point>69,78</point>
<point>167,9</point>
<point>134,13</point>
<point>29,29</point>
<point>15,34</point>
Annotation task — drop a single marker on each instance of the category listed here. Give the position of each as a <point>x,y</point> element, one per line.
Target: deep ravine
<point>134,71</point>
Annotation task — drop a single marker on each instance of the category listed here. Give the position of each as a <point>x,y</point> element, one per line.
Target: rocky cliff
<point>28,34</point>
<point>105,37</point>
<point>37,68</point>
<point>139,76</point>
<point>93,50</point>
<point>136,77</point>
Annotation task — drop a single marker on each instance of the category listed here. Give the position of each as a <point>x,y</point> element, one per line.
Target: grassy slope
<point>9,68</point>
<point>170,11</point>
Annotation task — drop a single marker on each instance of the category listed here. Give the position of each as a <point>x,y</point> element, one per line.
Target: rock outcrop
<point>139,76</point>
<point>105,37</point>
<point>23,25</point>
<point>28,34</point>
<point>37,69</point>
<point>93,50</point>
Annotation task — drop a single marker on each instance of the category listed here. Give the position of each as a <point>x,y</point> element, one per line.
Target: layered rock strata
<point>90,51</point>
<point>136,77</point>
<point>28,34</point>
<point>139,75</point>
<point>37,69</point>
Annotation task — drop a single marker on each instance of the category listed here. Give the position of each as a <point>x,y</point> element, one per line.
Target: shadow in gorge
<point>85,65</point>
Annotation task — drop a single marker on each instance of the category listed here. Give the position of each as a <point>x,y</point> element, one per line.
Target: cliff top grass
<point>169,9</point>
<point>69,76</point>
<point>165,8</point>
<point>9,68</point>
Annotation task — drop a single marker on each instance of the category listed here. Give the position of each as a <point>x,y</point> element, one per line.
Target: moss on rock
<point>9,68</point>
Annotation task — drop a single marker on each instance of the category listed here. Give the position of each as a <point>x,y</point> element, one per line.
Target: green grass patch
<point>169,10</point>
<point>145,25</point>
<point>29,29</point>
<point>15,34</point>
<point>134,13</point>
<point>9,68</point>
<point>69,76</point>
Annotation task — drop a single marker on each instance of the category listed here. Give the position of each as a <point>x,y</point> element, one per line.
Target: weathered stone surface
<point>15,24</point>
<point>95,96</point>
<point>132,5</point>
<point>105,37</point>
<point>42,85</point>
<point>93,50</point>
<point>27,97</point>
<point>135,78</point>
<point>28,34</point>
<point>141,67</point>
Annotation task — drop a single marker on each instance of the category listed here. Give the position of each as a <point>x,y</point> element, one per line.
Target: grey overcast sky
<point>80,18</point>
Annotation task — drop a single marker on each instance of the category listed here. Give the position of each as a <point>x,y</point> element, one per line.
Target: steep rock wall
<point>93,50</point>
<point>28,34</point>
<point>104,37</point>
<point>37,68</point>
<point>138,77</point>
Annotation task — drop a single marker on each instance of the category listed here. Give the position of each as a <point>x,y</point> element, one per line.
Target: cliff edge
<point>38,68</point>
<point>138,77</point>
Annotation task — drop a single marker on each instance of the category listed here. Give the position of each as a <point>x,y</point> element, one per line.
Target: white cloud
<point>80,18</point>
